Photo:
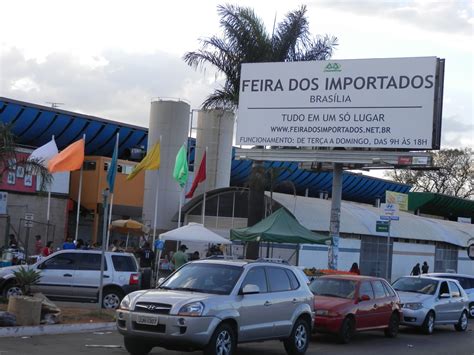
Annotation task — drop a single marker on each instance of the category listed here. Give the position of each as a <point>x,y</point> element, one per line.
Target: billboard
<point>366,103</point>
<point>397,198</point>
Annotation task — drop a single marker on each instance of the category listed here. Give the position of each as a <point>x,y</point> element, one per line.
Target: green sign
<point>382,226</point>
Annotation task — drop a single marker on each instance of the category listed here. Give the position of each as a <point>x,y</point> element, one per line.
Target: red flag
<point>200,177</point>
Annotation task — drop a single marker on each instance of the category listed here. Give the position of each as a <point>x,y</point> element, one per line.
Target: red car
<point>345,304</point>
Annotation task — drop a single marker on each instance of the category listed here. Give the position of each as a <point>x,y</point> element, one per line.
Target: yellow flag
<point>150,162</point>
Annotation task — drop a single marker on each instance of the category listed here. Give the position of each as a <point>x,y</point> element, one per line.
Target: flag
<point>150,162</point>
<point>71,158</point>
<point>45,153</point>
<point>180,172</point>
<point>199,177</point>
<point>113,167</point>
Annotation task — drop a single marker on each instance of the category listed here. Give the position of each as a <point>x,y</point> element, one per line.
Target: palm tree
<point>246,40</point>
<point>8,158</point>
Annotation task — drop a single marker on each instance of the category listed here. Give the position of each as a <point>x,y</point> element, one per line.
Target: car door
<point>256,310</point>
<point>382,308</point>
<point>364,311</point>
<point>443,303</point>
<point>57,274</point>
<point>457,301</point>
<point>283,300</point>
<point>87,277</point>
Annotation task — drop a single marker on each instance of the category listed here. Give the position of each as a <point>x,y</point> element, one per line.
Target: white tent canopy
<point>194,232</point>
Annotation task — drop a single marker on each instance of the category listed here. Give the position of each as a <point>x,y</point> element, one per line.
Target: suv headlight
<point>413,306</point>
<point>194,309</point>
<point>125,304</point>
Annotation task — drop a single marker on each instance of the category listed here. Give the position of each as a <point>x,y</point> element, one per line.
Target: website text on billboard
<point>370,103</point>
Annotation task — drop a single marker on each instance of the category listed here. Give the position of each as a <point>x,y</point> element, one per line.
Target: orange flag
<point>71,158</point>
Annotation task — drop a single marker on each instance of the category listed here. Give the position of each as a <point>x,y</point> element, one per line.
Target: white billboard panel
<point>370,103</point>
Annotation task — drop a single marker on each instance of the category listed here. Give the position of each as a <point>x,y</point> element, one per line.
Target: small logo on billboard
<point>333,67</point>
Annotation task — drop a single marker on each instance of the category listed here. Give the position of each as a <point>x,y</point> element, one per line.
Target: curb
<point>55,329</point>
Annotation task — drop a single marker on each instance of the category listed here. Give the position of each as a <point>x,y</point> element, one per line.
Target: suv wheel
<point>393,325</point>
<point>347,330</point>
<point>11,289</point>
<point>111,298</point>
<point>223,341</point>
<point>461,326</point>
<point>471,310</point>
<point>137,346</point>
<point>428,324</point>
<point>298,341</point>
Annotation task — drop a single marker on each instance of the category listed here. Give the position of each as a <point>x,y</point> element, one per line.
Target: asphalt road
<point>444,341</point>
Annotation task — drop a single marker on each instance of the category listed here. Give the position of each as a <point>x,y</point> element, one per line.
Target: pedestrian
<point>12,243</point>
<point>425,268</point>
<point>180,257</point>
<point>416,270</point>
<point>79,244</point>
<point>115,246</point>
<point>38,245</point>
<point>48,249</point>
<point>69,244</point>
<point>147,261</point>
<point>355,269</point>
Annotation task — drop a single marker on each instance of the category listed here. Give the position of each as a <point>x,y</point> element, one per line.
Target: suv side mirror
<point>364,298</point>
<point>40,266</point>
<point>250,289</point>
<point>444,295</point>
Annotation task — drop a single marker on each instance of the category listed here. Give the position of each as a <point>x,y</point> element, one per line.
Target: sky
<point>110,58</point>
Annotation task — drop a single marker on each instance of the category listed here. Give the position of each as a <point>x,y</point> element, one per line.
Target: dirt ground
<point>71,315</point>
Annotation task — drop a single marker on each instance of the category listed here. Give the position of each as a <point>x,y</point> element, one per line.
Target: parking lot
<point>445,340</point>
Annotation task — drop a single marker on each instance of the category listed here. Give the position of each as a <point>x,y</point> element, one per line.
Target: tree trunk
<point>256,205</point>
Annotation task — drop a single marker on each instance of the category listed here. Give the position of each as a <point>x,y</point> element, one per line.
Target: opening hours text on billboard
<point>391,103</point>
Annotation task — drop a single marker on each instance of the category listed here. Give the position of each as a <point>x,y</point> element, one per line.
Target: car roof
<point>89,251</point>
<point>426,276</point>
<point>352,277</point>
<point>450,274</point>
<point>242,262</point>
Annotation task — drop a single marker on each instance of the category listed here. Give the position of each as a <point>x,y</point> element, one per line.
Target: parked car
<point>213,304</point>
<point>75,275</point>
<point>466,282</point>
<point>345,304</point>
<point>429,301</point>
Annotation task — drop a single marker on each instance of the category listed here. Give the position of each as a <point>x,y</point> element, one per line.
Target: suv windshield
<point>333,288</point>
<point>206,278</point>
<point>416,285</point>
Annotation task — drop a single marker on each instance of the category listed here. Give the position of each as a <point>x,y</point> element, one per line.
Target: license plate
<point>147,320</point>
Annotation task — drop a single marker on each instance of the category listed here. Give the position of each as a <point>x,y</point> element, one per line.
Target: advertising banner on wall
<point>365,103</point>
<point>397,198</point>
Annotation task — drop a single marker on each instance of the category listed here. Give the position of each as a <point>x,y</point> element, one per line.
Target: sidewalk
<point>90,322</point>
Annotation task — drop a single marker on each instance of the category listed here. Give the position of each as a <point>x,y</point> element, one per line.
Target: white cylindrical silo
<point>170,120</point>
<point>215,129</point>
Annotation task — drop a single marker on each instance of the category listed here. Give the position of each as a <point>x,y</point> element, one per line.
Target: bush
<point>25,278</point>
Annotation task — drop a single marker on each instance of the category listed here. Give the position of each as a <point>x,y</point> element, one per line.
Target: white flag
<point>45,152</point>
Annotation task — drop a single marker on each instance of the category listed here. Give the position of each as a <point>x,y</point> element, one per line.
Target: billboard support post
<point>335,216</point>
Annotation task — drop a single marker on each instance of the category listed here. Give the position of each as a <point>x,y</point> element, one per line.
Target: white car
<point>75,275</point>
<point>467,283</point>
<point>430,301</point>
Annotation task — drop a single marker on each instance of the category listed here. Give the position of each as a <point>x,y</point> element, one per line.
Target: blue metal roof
<point>34,125</point>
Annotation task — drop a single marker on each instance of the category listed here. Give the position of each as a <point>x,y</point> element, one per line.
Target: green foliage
<point>25,278</point>
<point>246,40</point>
<point>8,154</point>
<point>453,174</point>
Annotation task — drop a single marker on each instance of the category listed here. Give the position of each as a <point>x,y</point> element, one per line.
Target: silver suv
<point>214,304</point>
<point>75,275</point>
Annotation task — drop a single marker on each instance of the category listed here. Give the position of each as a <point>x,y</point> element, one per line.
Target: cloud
<point>115,85</point>
<point>449,16</point>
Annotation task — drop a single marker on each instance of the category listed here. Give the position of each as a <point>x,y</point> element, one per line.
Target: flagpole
<point>112,196</point>
<point>49,206</point>
<point>79,196</point>
<point>205,192</point>
<point>156,200</point>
